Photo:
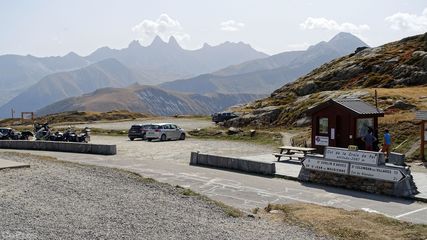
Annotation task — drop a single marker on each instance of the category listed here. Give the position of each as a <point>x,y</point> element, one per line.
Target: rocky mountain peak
<point>134,44</point>
<point>157,42</point>
<point>173,42</point>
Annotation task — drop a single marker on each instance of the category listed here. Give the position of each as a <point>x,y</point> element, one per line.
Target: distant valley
<point>150,100</point>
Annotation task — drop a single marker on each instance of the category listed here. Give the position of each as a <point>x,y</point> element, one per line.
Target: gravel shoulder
<point>61,200</point>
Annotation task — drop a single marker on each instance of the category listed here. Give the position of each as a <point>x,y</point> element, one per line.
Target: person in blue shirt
<point>387,143</point>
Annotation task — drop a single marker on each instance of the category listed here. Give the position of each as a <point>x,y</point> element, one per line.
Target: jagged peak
<point>72,54</point>
<point>157,41</point>
<point>206,45</point>
<point>173,42</point>
<point>134,44</point>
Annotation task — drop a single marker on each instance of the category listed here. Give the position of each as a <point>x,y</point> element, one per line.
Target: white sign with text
<point>319,164</point>
<point>346,155</point>
<point>381,173</point>
<point>321,141</point>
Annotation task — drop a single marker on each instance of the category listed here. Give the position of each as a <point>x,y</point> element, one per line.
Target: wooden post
<point>422,140</point>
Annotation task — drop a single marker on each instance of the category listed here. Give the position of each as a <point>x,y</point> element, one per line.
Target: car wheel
<point>182,137</point>
<point>149,139</point>
<point>132,138</point>
<point>163,138</point>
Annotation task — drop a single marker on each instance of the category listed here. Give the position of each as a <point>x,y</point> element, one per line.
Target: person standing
<point>369,140</point>
<point>387,143</point>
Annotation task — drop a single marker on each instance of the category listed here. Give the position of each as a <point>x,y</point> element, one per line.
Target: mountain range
<point>153,64</point>
<point>262,76</point>
<point>236,68</point>
<point>150,100</point>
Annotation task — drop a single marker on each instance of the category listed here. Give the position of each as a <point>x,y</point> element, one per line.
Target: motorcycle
<point>11,134</point>
<point>84,136</point>
<point>42,131</point>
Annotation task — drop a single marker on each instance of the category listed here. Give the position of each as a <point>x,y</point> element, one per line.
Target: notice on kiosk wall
<point>321,141</point>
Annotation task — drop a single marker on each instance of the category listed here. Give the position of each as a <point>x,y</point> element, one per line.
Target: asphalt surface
<point>60,200</point>
<point>169,162</point>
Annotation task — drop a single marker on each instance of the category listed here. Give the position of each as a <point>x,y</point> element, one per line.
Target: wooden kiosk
<point>422,115</point>
<point>342,122</point>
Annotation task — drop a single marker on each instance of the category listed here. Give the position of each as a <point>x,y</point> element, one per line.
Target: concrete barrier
<point>101,149</point>
<point>233,163</point>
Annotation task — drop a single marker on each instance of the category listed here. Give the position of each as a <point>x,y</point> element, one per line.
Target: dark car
<point>138,131</point>
<point>223,116</point>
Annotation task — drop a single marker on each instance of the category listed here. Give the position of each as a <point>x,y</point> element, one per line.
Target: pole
<point>376,99</point>
<point>422,140</point>
<point>12,111</point>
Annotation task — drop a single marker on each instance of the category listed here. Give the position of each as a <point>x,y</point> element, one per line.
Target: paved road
<point>169,162</point>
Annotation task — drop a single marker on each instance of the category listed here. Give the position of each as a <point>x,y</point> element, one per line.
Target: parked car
<point>12,134</point>
<point>165,131</point>
<point>138,131</point>
<point>223,116</point>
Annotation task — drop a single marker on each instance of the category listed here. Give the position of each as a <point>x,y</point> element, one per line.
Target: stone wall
<point>89,148</point>
<point>404,188</point>
<point>233,163</point>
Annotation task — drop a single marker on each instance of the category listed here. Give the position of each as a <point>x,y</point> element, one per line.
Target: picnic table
<point>293,152</point>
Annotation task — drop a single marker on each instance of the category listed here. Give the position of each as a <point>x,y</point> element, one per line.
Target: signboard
<point>321,141</point>
<point>381,173</point>
<point>320,164</point>
<point>342,154</point>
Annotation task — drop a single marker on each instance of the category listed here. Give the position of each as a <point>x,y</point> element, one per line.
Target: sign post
<point>422,115</point>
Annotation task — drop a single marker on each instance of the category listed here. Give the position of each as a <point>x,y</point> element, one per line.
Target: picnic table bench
<point>292,152</point>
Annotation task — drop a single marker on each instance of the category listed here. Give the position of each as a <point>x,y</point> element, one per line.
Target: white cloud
<point>409,22</point>
<point>231,26</point>
<point>330,24</point>
<point>164,27</point>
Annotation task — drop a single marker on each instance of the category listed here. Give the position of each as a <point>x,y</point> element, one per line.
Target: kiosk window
<point>363,125</point>
<point>323,126</point>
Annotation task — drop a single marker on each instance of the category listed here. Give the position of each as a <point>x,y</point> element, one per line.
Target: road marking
<point>411,212</point>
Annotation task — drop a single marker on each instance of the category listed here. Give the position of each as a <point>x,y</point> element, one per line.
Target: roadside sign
<point>320,164</point>
<point>342,154</point>
<point>381,173</point>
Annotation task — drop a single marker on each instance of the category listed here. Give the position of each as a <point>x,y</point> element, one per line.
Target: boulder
<point>401,105</point>
<point>308,88</point>
<point>233,130</point>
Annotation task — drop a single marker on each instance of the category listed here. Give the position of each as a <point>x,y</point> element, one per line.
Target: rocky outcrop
<point>393,65</point>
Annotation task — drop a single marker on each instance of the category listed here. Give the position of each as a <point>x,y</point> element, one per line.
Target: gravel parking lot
<point>58,200</point>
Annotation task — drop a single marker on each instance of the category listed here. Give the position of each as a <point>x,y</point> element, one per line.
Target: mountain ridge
<point>147,99</point>
<point>267,74</point>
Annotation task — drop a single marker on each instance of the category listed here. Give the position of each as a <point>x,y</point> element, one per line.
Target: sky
<point>57,27</point>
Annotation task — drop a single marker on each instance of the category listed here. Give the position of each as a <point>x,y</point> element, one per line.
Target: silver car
<point>165,131</point>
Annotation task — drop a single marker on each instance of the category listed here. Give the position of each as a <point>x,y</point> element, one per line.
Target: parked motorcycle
<point>84,136</point>
<point>12,134</point>
<point>42,131</point>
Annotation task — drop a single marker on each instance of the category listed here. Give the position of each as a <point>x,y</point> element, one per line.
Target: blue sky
<point>56,27</point>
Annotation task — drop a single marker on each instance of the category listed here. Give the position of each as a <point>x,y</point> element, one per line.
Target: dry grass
<point>76,117</point>
<point>397,117</point>
<point>344,224</point>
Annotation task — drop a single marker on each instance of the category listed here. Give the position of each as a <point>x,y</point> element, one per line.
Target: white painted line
<point>411,212</point>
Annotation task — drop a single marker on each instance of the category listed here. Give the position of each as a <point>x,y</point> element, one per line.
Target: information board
<point>342,154</point>
<point>320,164</point>
<point>381,173</point>
<point>321,141</point>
